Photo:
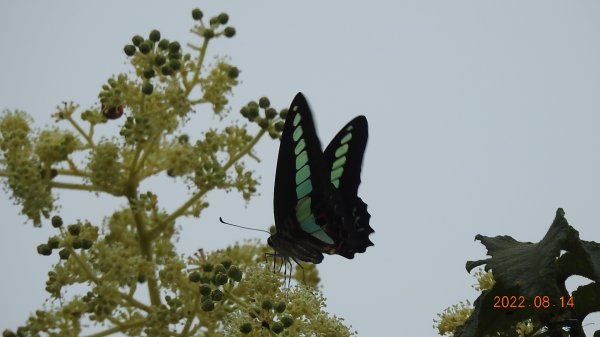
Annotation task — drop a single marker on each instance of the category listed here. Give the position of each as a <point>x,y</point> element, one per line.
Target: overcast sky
<point>483,116</point>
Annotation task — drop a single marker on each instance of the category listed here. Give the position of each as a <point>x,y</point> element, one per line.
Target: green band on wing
<point>301,160</point>
<point>337,173</point>
<point>302,174</point>
<point>299,146</point>
<point>341,150</point>
<point>297,118</point>
<point>297,133</point>
<point>303,189</point>
<point>303,210</point>
<point>346,138</point>
<point>336,183</point>
<point>309,225</point>
<point>338,163</point>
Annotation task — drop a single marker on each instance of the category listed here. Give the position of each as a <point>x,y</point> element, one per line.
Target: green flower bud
<point>159,60</point>
<point>263,123</point>
<point>233,73</point>
<point>235,273</point>
<point>166,70</point>
<point>129,50</point>
<point>270,113</point>
<point>229,31</point>
<point>86,244</point>
<point>208,34</point>
<point>163,44</point>
<point>147,88</point>
<point>76,244</point>
<point>272,229</point>
<point>283,113</point>
<point>149,73</point>
<point>204,290</point>
<point>194,277</point>
<point>197,14</point>
<point>264,102</point>
<point>280,307</point>
<point>137,40</point>
<point>154,35</point>
<point>244,111</point>
<point>221,279</point>
<point>207,267</point>
<point>267,304</point>
<point>287,321</point>
<point>246,328</point>
<point>183,139</point>
<point>141,278</point>
<point>216,295</point>
<point>53,242</point>
<point>64,254</point>
<point>226,263</point>
<point>174,47</point>
<point>145,47</point>
<point>273,134</point>
<point>44,249</point>
<point>213,21</point>
<point>9,333</point>
<point>74,229</point>
<point>208,305</point>
<point>223,18</point>
<point>57,221</point>
<point>279,126</point>
<point>277,327</point>
<point>174,64</point>
<point>252,111</point>
<point>175,56</point>
<point>220,269</point>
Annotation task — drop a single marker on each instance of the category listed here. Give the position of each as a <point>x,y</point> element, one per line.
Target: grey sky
<point>483,118</point>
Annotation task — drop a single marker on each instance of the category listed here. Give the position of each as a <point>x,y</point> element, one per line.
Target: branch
<point>120,328</point>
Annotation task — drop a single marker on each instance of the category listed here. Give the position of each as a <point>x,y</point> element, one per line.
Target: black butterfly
<point>316,207</point>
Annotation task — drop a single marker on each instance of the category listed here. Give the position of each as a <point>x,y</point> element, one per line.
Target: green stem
<point>190,319</point>
<point>196,75</point>
<point>70,186</point>
<point>120,328</point>
<point>88,139</point>
<point>193,199</point>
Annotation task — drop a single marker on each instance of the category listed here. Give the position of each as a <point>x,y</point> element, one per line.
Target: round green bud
<point>216,295</point>
<point>154,35</point>
<point>226,263</point>
<point>57,221</point>
<point>86,244</point>
<point>204,289</point>
<point>252,111</point>
<point>220,269</point>
<point>277,327</point>
<point>235,273</point>
<point>166,70</point>
<point>273,134</point>
<point>137,40</point>
<point>208,34</point>
<point>194,277</point>
<point>283,113</point>
<point>129,50</point>
<point>246,328</point>
<point>141,278</point>
<point>149,73</point>
<point>197,14</point>
<point>233,73</point>
<point>208,305</point>
<point>229,31</point>
<point>223,18</point>
<point>53,242</point>
<point>183,139</point>
<point>147,88</point>
<point>213,21</point>
<point>280,307</point>
<point>272,229</point>
<point>207,267</point>
<point>174,47</point>
<point>221,279</point>
<point>263,123</point>
<point>267,304</point>
<point>244,111</point>
<point>163,44</point>
<point>76,244</point>
<point>159,60</point>
<point>9,333</point>
<point>145,47</point>
<point>264,102</point>
<point>64,254</point>
<point>174,64</point>
<point>270,113</point>
<point>44,249</point>
<point>287,321</point>
<point>174,56</point>
<point>279,126</point>
<point>74,229</point>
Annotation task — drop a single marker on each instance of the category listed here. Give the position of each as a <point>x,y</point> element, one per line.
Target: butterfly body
<point>316,206</point>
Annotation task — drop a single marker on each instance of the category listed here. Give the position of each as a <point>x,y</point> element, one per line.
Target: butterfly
<point>316,206</point>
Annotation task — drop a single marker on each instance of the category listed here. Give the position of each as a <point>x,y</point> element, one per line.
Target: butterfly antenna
<point>250,228</point>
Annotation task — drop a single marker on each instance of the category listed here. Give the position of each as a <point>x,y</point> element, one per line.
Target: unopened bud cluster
<point>270,120</point>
